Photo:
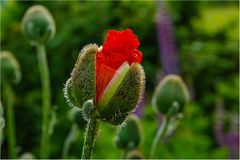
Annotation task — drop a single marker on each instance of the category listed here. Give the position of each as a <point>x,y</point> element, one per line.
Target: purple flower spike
<point>229,138</point>
<point>166,40</point>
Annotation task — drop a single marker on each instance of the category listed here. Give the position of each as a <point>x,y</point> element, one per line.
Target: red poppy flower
<point>119,47</point>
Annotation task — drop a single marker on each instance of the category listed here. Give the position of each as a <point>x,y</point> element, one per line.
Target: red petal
<point>119,47</point>
<point>104,76</point>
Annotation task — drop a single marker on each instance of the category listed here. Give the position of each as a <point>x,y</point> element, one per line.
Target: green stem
<point>89,139</point>
<point>160,133</point>
<point>70,138</point>
<point>10,123</point>
<point>46,99</point>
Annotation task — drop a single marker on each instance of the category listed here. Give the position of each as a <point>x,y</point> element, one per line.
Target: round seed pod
<point>10,69</point>
<point>38,25</point>
<point>170,96</point>
<point>130,135</point>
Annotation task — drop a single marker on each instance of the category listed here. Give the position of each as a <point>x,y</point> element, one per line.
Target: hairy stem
<point>70,138</point>
<point>160,133</point>
<point>89,139</point>
<point>10,123</point>
<point>46,99</point>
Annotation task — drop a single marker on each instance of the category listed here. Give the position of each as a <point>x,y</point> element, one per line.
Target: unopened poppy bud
<point>76,116</point>
<point>83,76</point>
<point>170,96</point>
<point>38,25</point>
<point>27,155</point>
<point>134,154</point>
<point>130,135</point>
<point>111,76</point>
<point>88,110</point>
<point>10,69</point>
<point>2,121</point>
<point>123,92</point>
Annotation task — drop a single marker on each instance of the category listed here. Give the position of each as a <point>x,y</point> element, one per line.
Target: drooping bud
<point>130,135</point>
<point>76,116</point>
<point>10,69</point>
<point>82,85</point>
<point>122,94</point>
<point>27,155</point>
<point>170,96</point>
<point>134,154</point>
<point>38,25</point>
<point>2,122</point>
<point>88,110</point>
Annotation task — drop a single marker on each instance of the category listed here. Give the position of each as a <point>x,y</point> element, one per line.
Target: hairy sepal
<point>84,75</point>
<point>125,97</point>
<point>69,95</point>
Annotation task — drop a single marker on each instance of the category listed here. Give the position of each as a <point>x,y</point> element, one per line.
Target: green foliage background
<point>207,36</point>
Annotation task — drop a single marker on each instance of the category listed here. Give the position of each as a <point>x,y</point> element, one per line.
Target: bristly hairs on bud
<point>88,110</point>
<point>84,75</point>
<point>126,97</point>
<point>67,92</point>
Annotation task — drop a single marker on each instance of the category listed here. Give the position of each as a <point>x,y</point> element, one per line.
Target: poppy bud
<point>88,110</point>
<point>130,135</point>
<point>27,155</point>
<point>2,121</point>
<point>113,82</point>
<point>170,96</point>
<point>134,154</point>
<point>83,76</point>
<point>122,94</point>
<point>38,25</point>
<point>10,69</point>
<point>76,116</point>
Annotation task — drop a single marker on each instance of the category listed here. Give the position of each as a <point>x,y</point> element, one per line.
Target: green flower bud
<point>82,85</point>
<point>88,110</point>
<point>134,154</point>
<point>10,69</point>
<point>123,93</point>
<point>130,135</point>
<point>38,25</point>
<point>76,116</point>
<point>118,99</point>
<point>170,96</point>
<point>27,155</point>
<point>2,122</point>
